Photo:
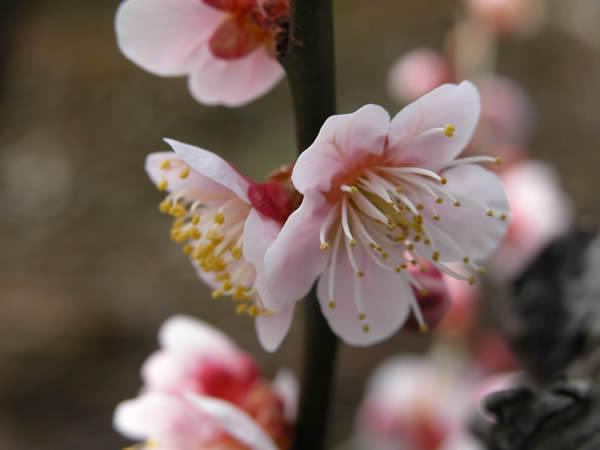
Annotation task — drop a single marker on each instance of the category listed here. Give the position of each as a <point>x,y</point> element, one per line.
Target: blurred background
<point>88,271</point>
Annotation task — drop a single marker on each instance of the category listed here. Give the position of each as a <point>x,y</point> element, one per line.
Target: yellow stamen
<point>332,305</point>
<point>366,328</point>
<point>184,173</point>
<point>219,218</point>
<point>164,206</point>
<point>362,316</point>
<point>443,180</point>
<point>435,256</point>
<point>236,252</point>
<point>195,219</point>
<point>217,293</point>
<point>457,203</point>
<point>253,311</point>
<point>324,246</point>
<point>241,309</point>
<point>490,213</point>
<point>162,186</point>
<point>165,164</point>
<point>360,273</point>
<point>449,130</point>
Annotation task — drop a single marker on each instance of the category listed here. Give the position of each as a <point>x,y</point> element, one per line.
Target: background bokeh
<point>88,271</point>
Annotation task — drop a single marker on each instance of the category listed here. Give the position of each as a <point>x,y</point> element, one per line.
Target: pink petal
<point>161,417</point>
<point>295,260</point>
<point>259,233</point>
<point>164,36</point>
<point>235,82</point>
<point>166,371</point>
<point>185,333</point>
<point>471,228</point>
<point>285,384</point>
<point>411,138</point>
<point>196,185</point>
<point>386,298</point>
<point>235,421</point>
<point>273,329</point>
<point>343,144</point>
<point>213,167</point>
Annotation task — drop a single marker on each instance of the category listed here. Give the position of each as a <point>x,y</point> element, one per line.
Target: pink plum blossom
<point>433,298</point>
<point>226,223</point>
<point>541,211</point>
<point>202,392</point>
<point>382,195</point>
<point>462,316</point>
<point>418,72</point>
<point>226,47</point>
<point>416,403</point>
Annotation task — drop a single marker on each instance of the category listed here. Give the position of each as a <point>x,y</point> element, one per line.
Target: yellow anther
<point>165,164</point>
<point>466,260</point>
<point>427,242</point>
<point>471,281</point>
<point>353,189</point>
<point>177,210</point>
<point>217,293</point>
<point>439,200</point>
<point>362,316</point>
<point>184,173</point>
<point>449,130</point>
<point>223,276</point>
<point>164,206</point>
<point>237,252</point>
<point>443,180</point>
<point>324,245</point>
<point>423,328</point>
<point>414,262</point>
<point>379,249</point>
<point>435,256</point>
<point>219,218</point>
<point>423,291</point>
<point>253,311</point>
<point>457,203</point>
<point>481,270</point>
<point>360,273</point>
<point>503,217</point>
<point>195,234</point>
<point>398,269</point>
<point>420,206</point>
<point>188,249</point>
<point>417,238</point>
<point>195,219</point>
<point>366,328</point>
<point>384,255</point>
<point>352,242</point>
<point>331,305</point>
<point>241,309</point>
<point>490,213</point>
<point>499,160</point>
<point>175,234</point>
<point>227,285</point>
<point>162,185</point>
<point>436,217</point>
<point>373,246</point>
<point>399,189</point>
<point>404,265</point>
<point>212,235</point>
<point>410,247</point>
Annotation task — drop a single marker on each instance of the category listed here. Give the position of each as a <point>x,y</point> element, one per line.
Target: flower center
<point>210,226</point>
<point>247,26</point>
<point>390,216</point>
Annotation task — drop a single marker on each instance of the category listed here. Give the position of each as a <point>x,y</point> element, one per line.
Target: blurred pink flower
<point>227,47</point>
<point>379,196</point>
<point>463,314</point>
<point>227,222</point>
<point>202,392</point>
<point>416,403</point>
<point>513,16</point>
<point>416,73</point>
<point>506,112</point>
<point>540,210</point>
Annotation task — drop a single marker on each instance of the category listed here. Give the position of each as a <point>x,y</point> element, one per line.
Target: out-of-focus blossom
<point>514,16</point>
<point>540,212</point>
<point>227,47</point>
<point>493,354</point>
<point>506,113</point>
<point>433,299</point>
<point>380,196</point>
<point>416,404</point>
<point>417,73</point>
<point>462,316</point>
<point>226,222</point>
<point>202,392</point>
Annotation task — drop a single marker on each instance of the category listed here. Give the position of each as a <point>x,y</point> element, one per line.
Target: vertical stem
<point>309,62</point>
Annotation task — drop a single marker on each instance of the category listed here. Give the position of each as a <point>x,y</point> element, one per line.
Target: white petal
<point>212,166</point>
<point>411,139</point>
<point>286,385</point>
<point>386,298</point>
<point>234,82</point>
<point>235,421</point>
<point>259,234</point>
<point>343,143</point>
<point>186,333</point>
<point>273,329</point>
<point>164,36</point>
<point>475,233</point>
